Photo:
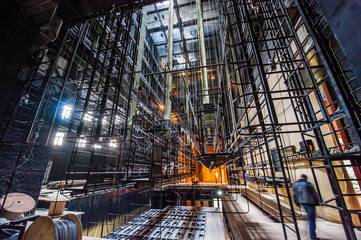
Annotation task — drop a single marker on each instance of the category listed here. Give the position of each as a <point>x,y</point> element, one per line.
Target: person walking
<point>305,194</point>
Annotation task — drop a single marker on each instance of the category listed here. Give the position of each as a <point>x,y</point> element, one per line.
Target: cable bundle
<point>68,227</point>
<point>65,230</point>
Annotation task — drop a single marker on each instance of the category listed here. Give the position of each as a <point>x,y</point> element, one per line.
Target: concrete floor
<point>215,229</point>
<point>262,227</point>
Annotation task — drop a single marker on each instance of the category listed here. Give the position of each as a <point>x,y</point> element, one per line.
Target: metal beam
<point>138,68</point>
<point>182,53</point>
<point>186,57</point>
<point>185,24</point>
<point>202,50</point>
<point>190,68</point>
<point>180,5</point>
<point>186,40</point>
<point>166,8</point>
<point>169,78</point>
<point>77,9</point>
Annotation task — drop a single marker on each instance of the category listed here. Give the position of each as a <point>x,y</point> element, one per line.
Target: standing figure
<point>305,194</point>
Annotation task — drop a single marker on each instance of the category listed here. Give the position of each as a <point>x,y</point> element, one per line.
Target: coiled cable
<point>65,230</point>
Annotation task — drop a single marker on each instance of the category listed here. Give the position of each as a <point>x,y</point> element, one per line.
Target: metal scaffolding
<point>257,87</point>
<point>76,99</point>
<point>275,61</point>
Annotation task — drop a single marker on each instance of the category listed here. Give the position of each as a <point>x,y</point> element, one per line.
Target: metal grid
<point>170,223</point>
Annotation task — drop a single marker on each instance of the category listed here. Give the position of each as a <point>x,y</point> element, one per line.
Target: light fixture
<point>97,146</point>
<point>219,192</point>
<point>24,100</point>
<point>81,142</point>
<point>88,117</point>
<point>66,112</point>
<point>117,119</point>
<point>113,144</point>
<point>59,137</point>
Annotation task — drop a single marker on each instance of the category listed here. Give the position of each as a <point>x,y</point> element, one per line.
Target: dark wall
<point>29,175</point>
<point>18,32</point>
<point>344,18</point>
<point>106,212</point>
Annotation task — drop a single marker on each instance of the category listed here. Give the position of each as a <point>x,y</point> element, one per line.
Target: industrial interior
<point>179,119</point>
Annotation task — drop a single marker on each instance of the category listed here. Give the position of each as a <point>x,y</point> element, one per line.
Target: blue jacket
<point>304,193</point>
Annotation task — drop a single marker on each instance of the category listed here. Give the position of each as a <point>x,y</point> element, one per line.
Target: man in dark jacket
<point>305,194</point>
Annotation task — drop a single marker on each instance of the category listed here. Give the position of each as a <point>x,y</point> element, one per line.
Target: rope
<point>65,230</point>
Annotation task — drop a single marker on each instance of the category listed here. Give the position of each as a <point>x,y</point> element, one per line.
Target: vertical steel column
<point>271,111</point>
<point>138,68</point>
<point>169,77</point>
<point>202,51</point>
<point>345,216</point>
<point>230,101</point>
<point>92,77</point>
<point>245,27</point>
<point>82,32</point>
